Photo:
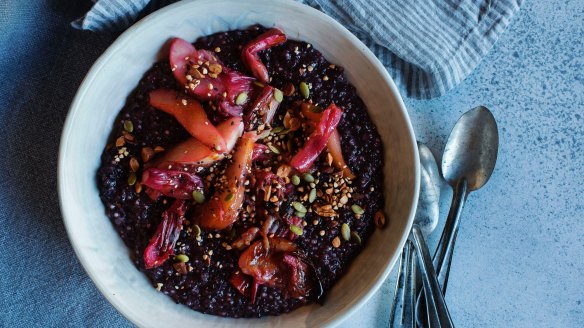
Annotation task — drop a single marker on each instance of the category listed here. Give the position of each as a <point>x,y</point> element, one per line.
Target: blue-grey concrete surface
<point>519,259</point>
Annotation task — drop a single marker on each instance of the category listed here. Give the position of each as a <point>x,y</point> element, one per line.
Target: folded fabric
<point>427,46</point>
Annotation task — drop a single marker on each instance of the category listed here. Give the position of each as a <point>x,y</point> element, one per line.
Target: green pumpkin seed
<point>295,180</point>
<point>277,129</point>
<point>274,149</point>
<point>259,84</point>
<point>229,197</point>
<point>299,207</point>
<point>356,237</point>
<point>357,209</point>
<point>198,196</point>
<point>182,258</point>
<point>241,99</point>
<point>296,230</point>
<point>129,126</point>
<point>346,231</point>
<point>312,196</point>
<point>132,179</point>
<point>300,214</point>
<point>196,230</point>
<point>304,90</point>
<point>278,95</point>
<point>264,134</point>
<point>308,178</point>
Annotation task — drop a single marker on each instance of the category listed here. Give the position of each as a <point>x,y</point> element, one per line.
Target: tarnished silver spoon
<point>467,164</point>
<point>427,214</point>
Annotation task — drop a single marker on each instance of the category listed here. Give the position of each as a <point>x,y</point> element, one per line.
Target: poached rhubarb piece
<point>161,245</point>
<point>189,113</point>
<point>224,207</point>
<point>318,139</point>
<point>249,55</point>
<point>263,109</point>
<point>172,183</point>
<point>205,77</point>
<point>193,152</point>
<point>334,143</point>
<point>264,265</point>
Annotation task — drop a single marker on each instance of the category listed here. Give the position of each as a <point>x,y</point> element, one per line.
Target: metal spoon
<point>467,164</point>
<point>427,215</point>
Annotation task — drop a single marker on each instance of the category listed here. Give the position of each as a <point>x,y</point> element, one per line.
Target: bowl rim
<point>95,69</point>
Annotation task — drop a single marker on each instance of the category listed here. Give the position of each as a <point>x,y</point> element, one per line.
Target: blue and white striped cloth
<point>428,46</point>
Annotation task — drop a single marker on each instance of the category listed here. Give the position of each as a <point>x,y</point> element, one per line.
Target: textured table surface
<point>519,257</point>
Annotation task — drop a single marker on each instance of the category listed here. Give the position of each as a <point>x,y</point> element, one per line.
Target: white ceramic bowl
<point>117,72</point>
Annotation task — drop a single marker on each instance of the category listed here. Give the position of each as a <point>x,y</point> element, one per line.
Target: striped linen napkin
<point>428,46</point>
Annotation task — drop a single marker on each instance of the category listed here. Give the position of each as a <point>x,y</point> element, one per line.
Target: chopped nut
<point>379,219</point>
<point>215,68</point>
<point>121,141</point>
<point>128,136</point>
<point>138,187</point>
<point>284,170</point>
<point>326,211</point>
<point>336,242</point>
<point>180,267</point>
<point>134,165</point>
<point>147,154</point>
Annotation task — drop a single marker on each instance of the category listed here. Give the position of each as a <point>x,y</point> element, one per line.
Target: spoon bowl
<point>471,150</point>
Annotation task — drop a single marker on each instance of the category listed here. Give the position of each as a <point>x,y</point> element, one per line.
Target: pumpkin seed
<point>264,134</point>
<point>229,196</point>
<point>356,237</point>
<point>300,214</point>
<point>346,231</point>
<point>296,230</point>
<point>274,149</point>
<point>357,209</point>
<point>241,99</point>
<point>308,177</point>
<point>132,179</point>
<point>299,207</point>
<point>304,90</point>
<point>129,126</point>
<point>259,84</point>
<point>198,196</point>
<point>277,129</point>
<point>295,180</point>
<point>182,258</point>
<point>278,95</point>
<point>312,196</point>
<point>197,230</point>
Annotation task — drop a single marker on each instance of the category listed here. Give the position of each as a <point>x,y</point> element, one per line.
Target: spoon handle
<point>399,300</point>
<point>437,311</point>
<point>443,256</point>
